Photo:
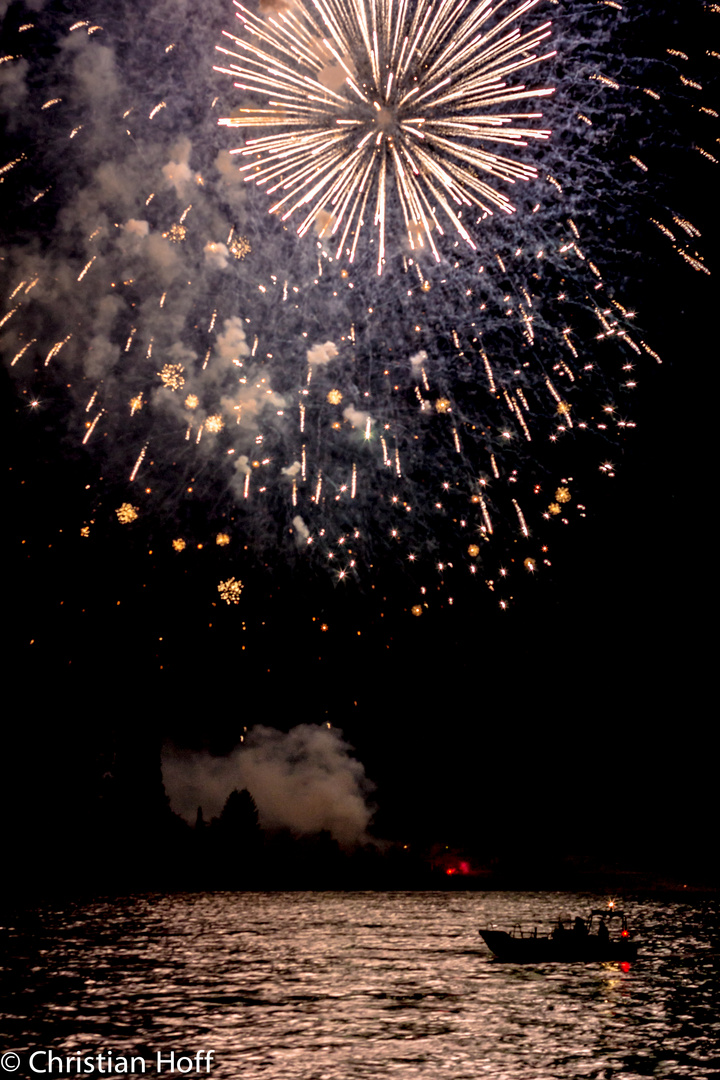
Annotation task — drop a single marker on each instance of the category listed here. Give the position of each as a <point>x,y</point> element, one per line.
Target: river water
<point>333,986</point>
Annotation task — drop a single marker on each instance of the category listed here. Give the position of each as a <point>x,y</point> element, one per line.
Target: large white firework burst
<point>375,106</point>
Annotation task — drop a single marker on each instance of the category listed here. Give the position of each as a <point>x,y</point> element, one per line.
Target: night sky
<point>573,722</point>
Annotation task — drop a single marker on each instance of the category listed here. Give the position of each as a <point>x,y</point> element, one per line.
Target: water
<point>333,986</point>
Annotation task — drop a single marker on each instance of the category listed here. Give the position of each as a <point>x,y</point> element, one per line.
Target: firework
<point>429,429</point>
<point>377,100</point>
<point>230,590</point>
<point>127,513</point>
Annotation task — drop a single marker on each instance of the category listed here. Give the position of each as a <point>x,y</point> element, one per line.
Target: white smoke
<point>301,530</point>
<point>217,256</point>
<point>305,780</point>
<point>356,417</point>
<point>322,354</point>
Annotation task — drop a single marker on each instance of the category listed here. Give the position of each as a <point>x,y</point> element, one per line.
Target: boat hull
<point>569,948</point>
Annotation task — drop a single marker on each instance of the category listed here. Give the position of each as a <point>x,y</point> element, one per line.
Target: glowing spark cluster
<point>172,377</point>
<point>230,590</point>
<point>239,247</point>
<point>127,513</point>
<point>214,424</point>
<point>373,101</point>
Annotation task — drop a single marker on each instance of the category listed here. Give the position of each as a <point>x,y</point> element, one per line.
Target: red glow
<point>624,966</point>
<point>461,868</point>
<point>624,933</point>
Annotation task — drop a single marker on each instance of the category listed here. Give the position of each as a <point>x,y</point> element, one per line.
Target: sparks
<point>375,103</point>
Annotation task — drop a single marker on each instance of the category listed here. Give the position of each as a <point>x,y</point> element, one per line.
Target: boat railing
<point>518,932</point>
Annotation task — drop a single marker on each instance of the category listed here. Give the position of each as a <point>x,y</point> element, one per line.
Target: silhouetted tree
<point>238,837</point>
<point>239,817</point>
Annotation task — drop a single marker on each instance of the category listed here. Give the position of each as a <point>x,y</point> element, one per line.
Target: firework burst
<point>385,103</point>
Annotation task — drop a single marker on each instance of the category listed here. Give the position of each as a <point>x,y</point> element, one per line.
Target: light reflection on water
<point>319,986</point>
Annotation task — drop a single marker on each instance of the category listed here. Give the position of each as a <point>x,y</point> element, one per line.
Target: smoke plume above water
<point>304,780</point>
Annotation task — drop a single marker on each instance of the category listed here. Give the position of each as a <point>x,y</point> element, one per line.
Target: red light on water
<point>624,933</point>
<point>464,868</point>
<point>624,965</point>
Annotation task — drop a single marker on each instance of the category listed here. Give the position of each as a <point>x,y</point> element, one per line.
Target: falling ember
<point>85,269</point>
<point>139,462</point>
<point>136,404</point>
<point>91,428</point>
<point>127,513</point>
<point>56,349</point>
<point>230,590</point>
<point>521,518</point>
<point>383,111</point>
<point>24,349</point>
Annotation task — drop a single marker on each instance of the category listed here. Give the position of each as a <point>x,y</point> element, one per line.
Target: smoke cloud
<point>305,780</point>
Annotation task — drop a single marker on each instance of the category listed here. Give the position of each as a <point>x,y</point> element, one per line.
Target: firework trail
<point>269,395</point>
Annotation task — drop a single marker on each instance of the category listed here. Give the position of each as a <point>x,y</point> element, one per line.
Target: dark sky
<point>578,715</point>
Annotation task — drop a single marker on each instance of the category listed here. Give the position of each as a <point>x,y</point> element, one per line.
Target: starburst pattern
<point>385,102</point>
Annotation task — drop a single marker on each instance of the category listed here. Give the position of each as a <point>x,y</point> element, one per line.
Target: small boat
<point>584,941</point>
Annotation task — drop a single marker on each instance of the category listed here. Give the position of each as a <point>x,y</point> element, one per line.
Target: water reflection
<point>318,986</point>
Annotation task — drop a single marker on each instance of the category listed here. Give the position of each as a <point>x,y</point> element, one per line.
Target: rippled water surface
<point>309,986</point>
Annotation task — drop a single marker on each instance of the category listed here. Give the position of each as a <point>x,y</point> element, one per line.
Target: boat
<point>585,941</point>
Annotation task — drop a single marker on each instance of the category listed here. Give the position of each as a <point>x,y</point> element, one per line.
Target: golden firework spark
<point>214,424</point>
<point>554,508</point>
<point>240,247</point>
<point>222,539</point>
<point>136,404</point>
<point>192,401</point>
<point>176,233</point>
<point>127,513</point>
<point>179,544</point>
<point>442,405</point>
<point>334,397</point>
<point>473,551</point>
<point>365,103</point>
<point>172,376</point>
<point>230,590</point>
<point>562,495</point>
